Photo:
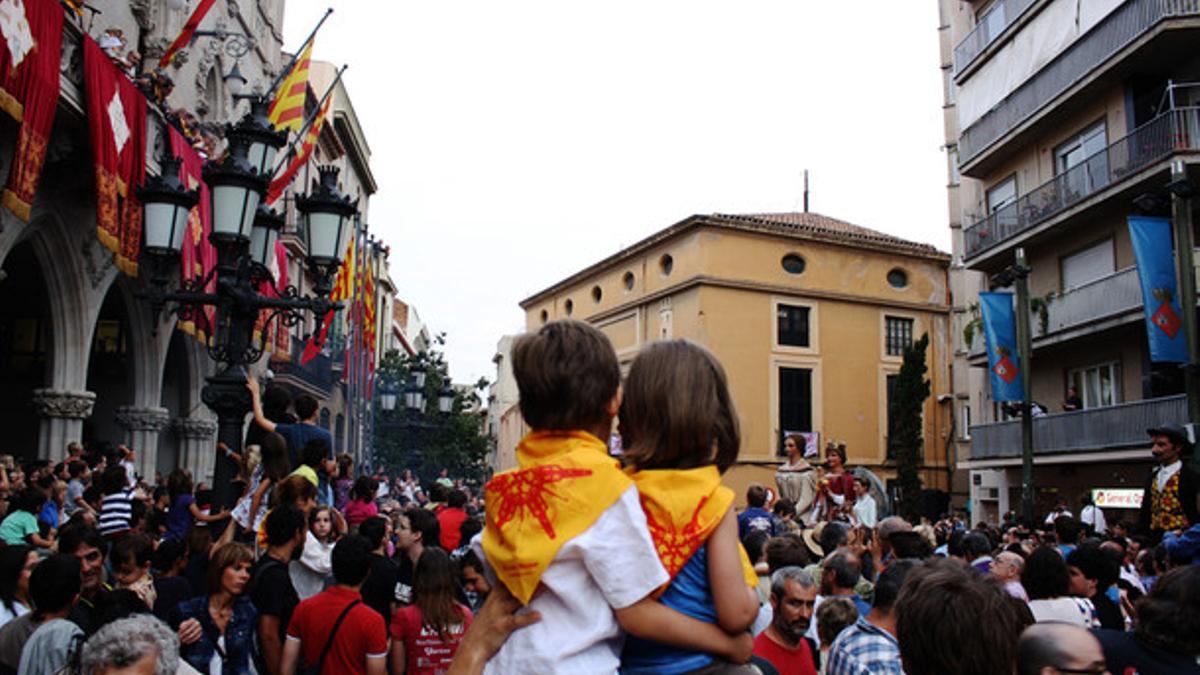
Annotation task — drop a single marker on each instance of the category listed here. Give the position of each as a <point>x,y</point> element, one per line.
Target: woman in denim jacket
<point>217,630</point>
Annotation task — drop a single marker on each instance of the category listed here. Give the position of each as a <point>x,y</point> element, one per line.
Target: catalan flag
<point>280,182</point>
<point>287,109</point>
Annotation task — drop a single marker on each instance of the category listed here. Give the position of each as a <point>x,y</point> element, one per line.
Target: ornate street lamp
<point>387,394</point>
<point>446,399</point>
<point>168,204</point>
<point>244,234</point>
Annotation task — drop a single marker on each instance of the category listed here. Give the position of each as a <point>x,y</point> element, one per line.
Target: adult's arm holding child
<point>652,620</point>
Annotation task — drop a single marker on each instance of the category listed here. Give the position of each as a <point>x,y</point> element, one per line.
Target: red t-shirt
<point>785,660</point>
<point>361,634</point>
<point>424,650</point>
<point>450,521</point>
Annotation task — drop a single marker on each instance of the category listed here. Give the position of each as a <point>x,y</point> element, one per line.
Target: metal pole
<point>1025,357</point>
<point>1181,218</point>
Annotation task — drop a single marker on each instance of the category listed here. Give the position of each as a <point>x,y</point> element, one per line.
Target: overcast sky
<point>517,142</point>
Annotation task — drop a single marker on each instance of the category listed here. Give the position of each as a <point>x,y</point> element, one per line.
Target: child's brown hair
<point>567,373</point>
<point>677,412</point>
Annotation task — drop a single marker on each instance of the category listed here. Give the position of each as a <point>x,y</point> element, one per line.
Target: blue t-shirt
<point>49,514</point>
<point>298,435</point>
<point>755,518</point>
<point>689,594</point>
<point>179,517</point>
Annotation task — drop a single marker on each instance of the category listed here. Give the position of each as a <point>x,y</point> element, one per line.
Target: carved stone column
<point>196,445</point>
<point>141,425</point>
<point>62,413</point>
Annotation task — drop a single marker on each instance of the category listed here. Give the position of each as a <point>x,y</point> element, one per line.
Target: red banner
<point>198,256</point>
<point>29,66</point>
<point>185,35</point>
<point>116,113</point>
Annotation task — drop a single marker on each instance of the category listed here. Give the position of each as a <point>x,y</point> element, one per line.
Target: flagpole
<point>308,122</point>
<point>284,72</point>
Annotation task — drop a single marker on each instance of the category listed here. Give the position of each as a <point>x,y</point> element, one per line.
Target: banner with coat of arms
<point>116,113</point>
<point>1153,248</point>
<point>1000,335</point>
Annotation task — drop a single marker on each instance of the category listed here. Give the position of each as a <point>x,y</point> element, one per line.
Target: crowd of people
<point>576,561</point>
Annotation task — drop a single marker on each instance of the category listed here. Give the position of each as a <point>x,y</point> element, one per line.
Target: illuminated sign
<point>1117,498</point>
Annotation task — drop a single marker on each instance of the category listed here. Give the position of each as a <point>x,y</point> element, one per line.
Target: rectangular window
<point>795,399</point>
<point>1002,194</point>
<point>891,419</point>
<point>1097,385</point>
<point>1090,264</point>
<point>899,335</point>
<point>1081,164</point>
<point>965,432</point>
<point>793,326</point>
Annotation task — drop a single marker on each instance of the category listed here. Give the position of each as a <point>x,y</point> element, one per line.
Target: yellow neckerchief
<point>683,507</point>
<point>565,480</point>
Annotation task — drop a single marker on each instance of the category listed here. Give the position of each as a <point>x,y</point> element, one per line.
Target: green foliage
<point>907,435</point>
<point>428,441</point>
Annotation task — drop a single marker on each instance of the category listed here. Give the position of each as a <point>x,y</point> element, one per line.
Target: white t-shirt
<point>864,510</point>
<point>1092,515</point>
<point>612,565</point>
<point>1066,609</point>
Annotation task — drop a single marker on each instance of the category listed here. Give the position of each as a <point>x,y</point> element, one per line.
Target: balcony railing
<point>317,373</point>
<point>1113,295</point>
<point>1174,131</point>
<point>1121,27</point>
<point>991,24</point>
<point>1105,428</point>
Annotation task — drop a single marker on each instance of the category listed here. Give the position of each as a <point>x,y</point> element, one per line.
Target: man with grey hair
<point>1006,567</point>
<point>140,643</point>
<point>1049,648</point>
<point>783,644</point>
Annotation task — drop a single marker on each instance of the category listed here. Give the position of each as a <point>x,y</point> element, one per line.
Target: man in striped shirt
<point>869,646</point>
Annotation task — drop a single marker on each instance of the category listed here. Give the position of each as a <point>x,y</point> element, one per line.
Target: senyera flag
<point>287,108</point>
<point>280,182</point>
<point>185,35</point>
<point>1000,334</point>
<point>1154,251</point>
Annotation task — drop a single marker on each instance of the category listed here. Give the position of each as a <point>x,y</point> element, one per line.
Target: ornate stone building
<point>81,356</point>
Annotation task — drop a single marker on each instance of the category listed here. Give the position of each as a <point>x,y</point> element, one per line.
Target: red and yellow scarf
<point>565,480</point>
<point>683,507</point>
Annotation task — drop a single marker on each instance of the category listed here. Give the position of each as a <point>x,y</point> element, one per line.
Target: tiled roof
<point>822,226</point>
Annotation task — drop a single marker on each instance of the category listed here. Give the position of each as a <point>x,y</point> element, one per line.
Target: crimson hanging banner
<point>116,113</point>
<point>1000,334</point>
<point>30,58</point>
<point>1154,251</point>
<point>198,256</point>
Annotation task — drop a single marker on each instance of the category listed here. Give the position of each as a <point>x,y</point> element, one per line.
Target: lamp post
<point>1017,275</point>
<point>244,233</point>
<point>1182,191</point>
<point>413,404</point>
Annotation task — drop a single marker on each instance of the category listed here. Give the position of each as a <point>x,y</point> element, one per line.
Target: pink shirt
<point>357,511</point>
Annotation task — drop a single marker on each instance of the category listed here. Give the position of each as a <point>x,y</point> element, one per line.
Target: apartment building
<point>808,314</point>
<point>1060,114</point>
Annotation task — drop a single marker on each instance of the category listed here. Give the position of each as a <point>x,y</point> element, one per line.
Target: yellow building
<point>808,314</point>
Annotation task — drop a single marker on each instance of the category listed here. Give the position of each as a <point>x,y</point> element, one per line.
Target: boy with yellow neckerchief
<point>565,531</point>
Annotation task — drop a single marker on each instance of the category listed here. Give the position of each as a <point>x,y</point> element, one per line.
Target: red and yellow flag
<point>185,35</point>
<point>287,109</point>
<point>280,182</point>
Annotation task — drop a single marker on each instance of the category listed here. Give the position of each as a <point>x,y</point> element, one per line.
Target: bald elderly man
<point>1006,567</point>
<point>1050,648</point>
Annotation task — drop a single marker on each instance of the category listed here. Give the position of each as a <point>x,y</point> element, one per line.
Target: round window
<point>569,305</point>
<point>793,264</point>
<point>597,293</point>
<point>666,264</point>
<point>898,278</point>
<point>628,280</point>
<point>545,316</point>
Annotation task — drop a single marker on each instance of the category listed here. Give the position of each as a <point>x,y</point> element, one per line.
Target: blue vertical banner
<point>1000,335</point>
<point>1153,248</point>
